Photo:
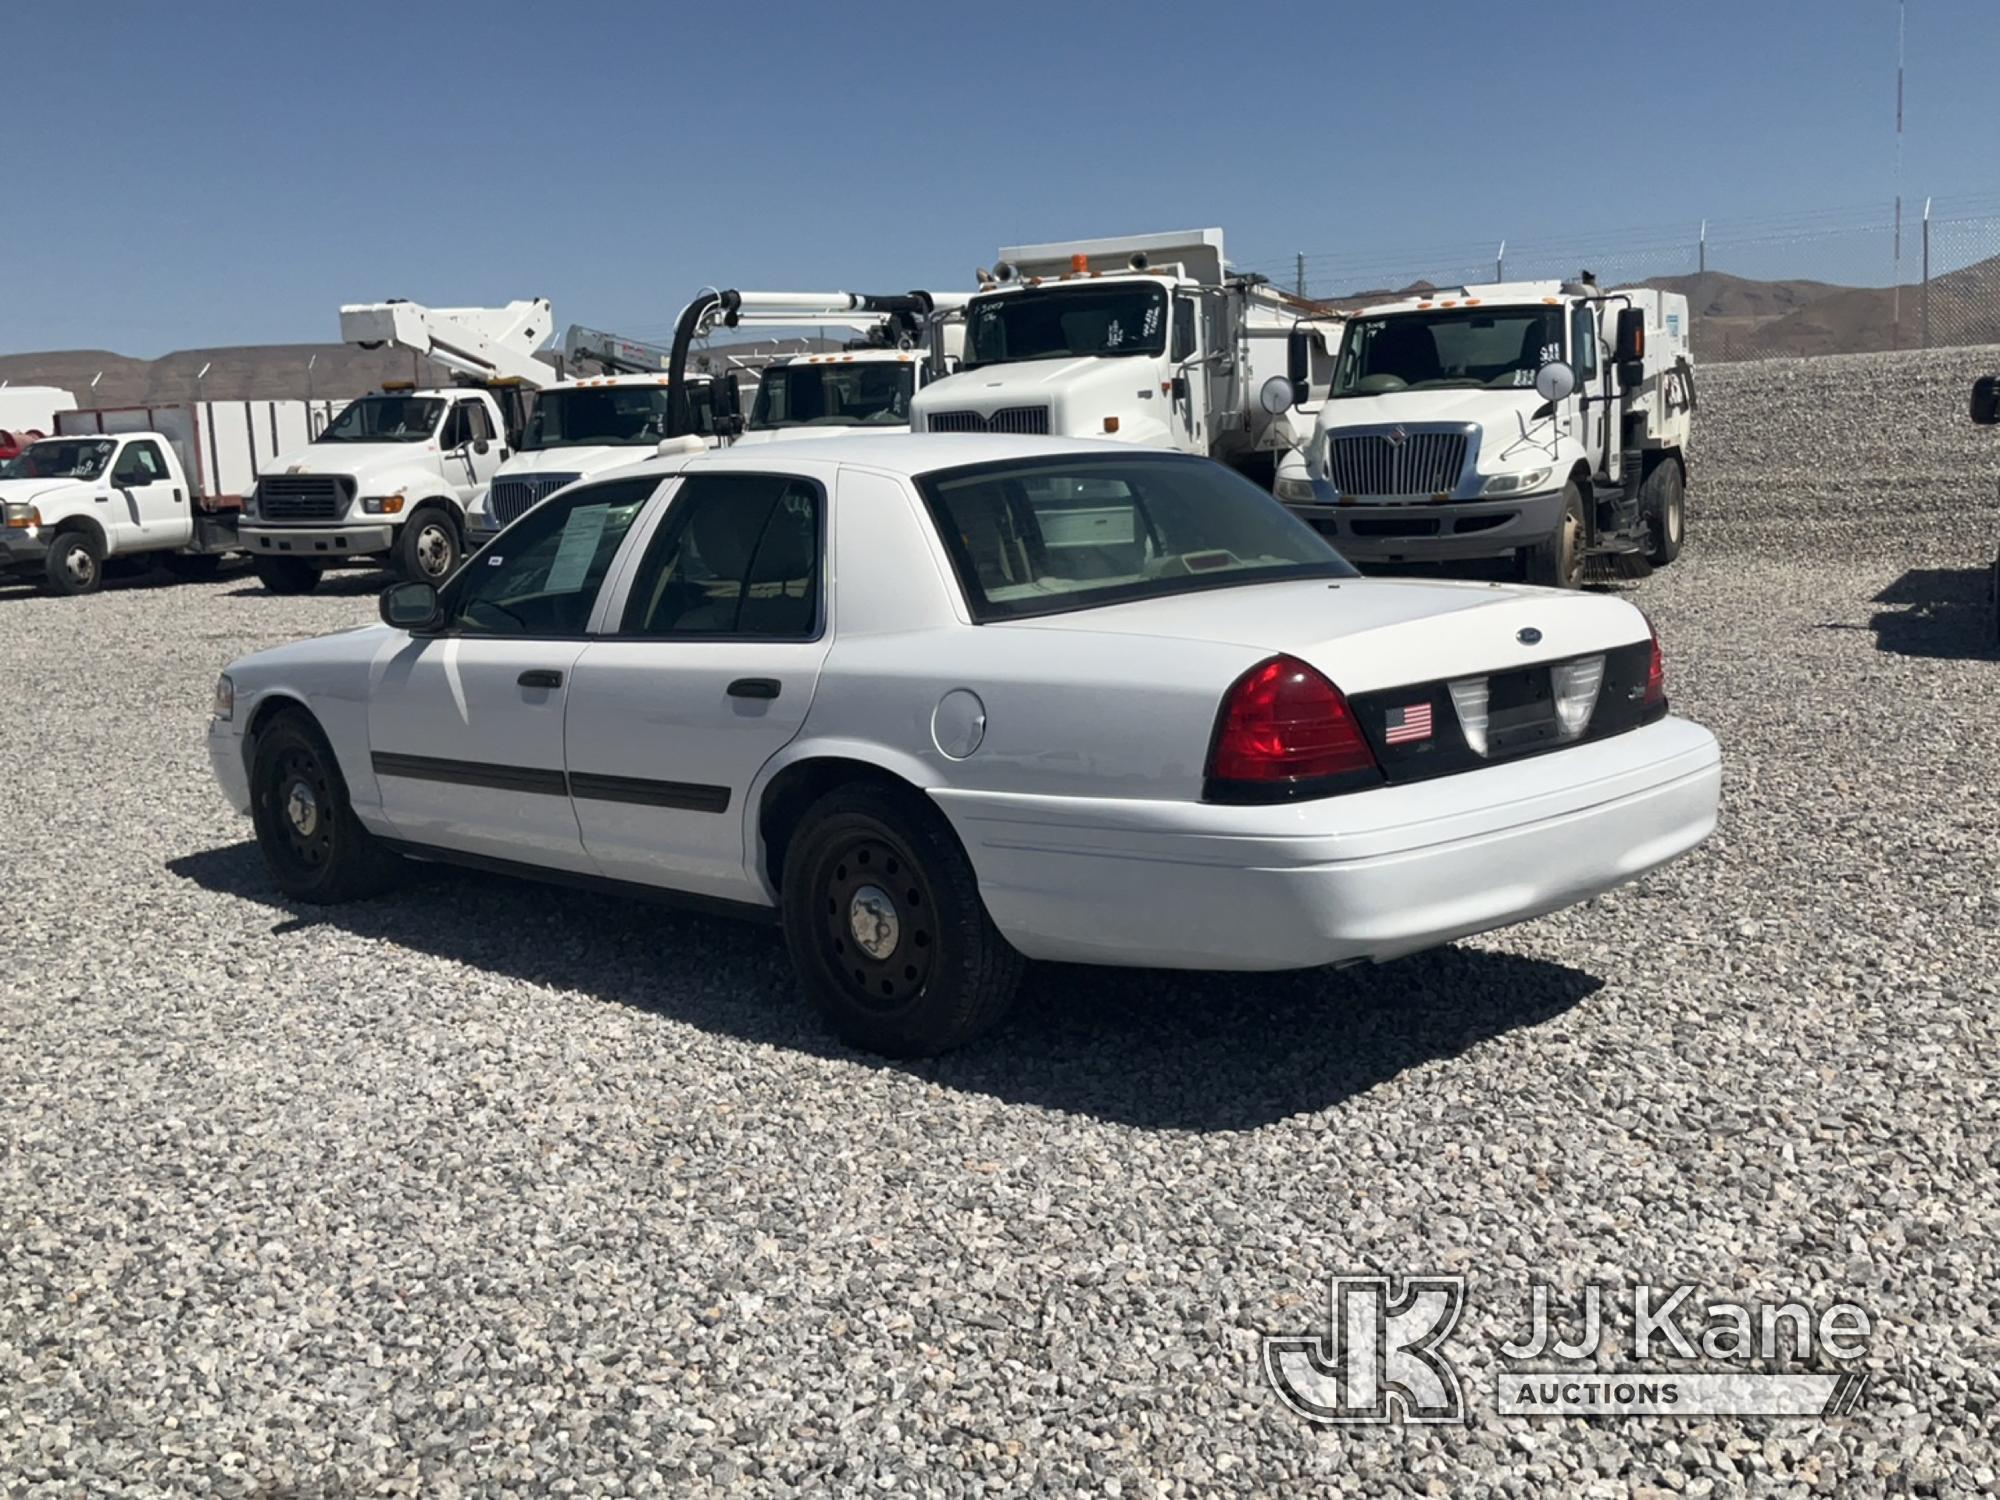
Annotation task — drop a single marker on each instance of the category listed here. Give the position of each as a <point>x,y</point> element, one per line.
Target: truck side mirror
<point>1631,336</point>
<point>1986,400</point>
<point>480,445</point>
<point>1298,363</point>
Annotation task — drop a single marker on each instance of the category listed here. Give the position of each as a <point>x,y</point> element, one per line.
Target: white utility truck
<point>1542,420</point>
<point>582,426</point>
<point>867,386</point>
<point>391,475</point>
<point>149,482</point>
<point>1148,340</point>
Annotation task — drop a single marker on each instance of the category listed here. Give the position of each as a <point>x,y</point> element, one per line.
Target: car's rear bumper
<point>1445,531</point>
<point>314,543</point>
<point>1370,875</point>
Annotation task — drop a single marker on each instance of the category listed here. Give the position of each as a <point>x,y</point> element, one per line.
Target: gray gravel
<point>487,1189</point>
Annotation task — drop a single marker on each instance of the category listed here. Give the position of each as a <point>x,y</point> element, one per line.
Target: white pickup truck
<point>389,478</point>
<point>70,503</point>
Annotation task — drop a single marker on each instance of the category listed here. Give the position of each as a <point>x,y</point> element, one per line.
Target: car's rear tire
<point>316,848</point>
<point>429,547</point>
<point>286,575</point>
<point>886,927</point>
<point>1663,503</point>
<point>75,563</point>
<point>1556,562</point>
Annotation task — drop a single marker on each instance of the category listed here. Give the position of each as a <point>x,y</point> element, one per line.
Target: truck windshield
<point>872,394</point>
<point>66,458</point>
<point>605,416</point>
<point>1053,322</point>
<point>385,419</point>
<point>1496,348</point>
<point>1056,534</point>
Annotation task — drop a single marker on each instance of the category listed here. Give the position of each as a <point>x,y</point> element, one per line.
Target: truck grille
<point>303,497</point>
<point>1026,420</point>
<point>1423,463</point>
<point>513,495</point>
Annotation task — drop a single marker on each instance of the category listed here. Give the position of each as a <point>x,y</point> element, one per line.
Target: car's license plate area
<point>1520,711</point>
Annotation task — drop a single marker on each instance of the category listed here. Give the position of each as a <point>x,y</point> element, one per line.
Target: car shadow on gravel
<point>336,583</point>
<point>1154,1049</point>
<point>1947,613</point>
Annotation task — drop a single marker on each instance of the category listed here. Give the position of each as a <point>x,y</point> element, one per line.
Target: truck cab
<point>582,427</point>
<point>1148,340</point>
<point>856,392</point>
<point>1547,421</point>
<point>69,503</point>
<point>388,479</point>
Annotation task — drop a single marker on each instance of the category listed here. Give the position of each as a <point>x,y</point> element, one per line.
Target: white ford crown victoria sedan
<point>946,703</point>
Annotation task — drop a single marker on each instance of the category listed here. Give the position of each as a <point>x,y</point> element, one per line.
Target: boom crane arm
<point>487,344</point>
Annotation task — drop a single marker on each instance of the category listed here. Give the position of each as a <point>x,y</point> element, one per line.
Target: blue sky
<point>231,174</point>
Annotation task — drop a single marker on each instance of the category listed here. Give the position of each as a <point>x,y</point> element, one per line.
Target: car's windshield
<point>1055,534</point>
<point>385,419</point>
<point>1497,348</point>
<point>1050,322</point>
<point>609,416</point>
<point>66,458</point>
<point>864,394</point>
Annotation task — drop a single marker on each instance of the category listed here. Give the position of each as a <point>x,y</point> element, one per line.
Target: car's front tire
<point>75,564</point>
<point>316,848</point>
<point>286,575</point>
<point>886,927</point>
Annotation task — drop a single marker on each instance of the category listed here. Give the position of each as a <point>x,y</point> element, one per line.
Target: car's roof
<point>907,454</point>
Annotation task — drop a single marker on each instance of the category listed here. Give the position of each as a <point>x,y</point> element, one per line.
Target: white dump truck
<point>390,477</point>
<point>580,426</point>
<point>155,483</point>
<point>1542,420</point>
<point>1149,340</point>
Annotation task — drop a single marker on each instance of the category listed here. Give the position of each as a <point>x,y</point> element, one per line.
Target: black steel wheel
<point>886,928</point>
<point>315,847</point>
<point>75,563</point>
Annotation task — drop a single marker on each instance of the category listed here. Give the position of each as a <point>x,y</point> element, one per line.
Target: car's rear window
<point>1042,536</point>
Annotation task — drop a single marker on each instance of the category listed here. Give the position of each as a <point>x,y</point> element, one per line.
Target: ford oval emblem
<point>1528,637</point>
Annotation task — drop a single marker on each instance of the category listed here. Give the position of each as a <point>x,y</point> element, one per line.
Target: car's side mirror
<point>411,606</point>
<point>1986,400</point>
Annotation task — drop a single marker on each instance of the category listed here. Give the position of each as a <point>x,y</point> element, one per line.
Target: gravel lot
<point>489,1189</point>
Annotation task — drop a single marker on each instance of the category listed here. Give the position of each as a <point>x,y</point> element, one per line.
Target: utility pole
<point>1701,248</point>
<point>1302,276</point>
<point>1500,263</point>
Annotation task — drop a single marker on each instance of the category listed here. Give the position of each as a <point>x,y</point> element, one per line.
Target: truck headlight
<point>225,698</point>
<point>1299,491</point>
<point>21,516</point>
<point>1516,484</point>
<point>381,505</point>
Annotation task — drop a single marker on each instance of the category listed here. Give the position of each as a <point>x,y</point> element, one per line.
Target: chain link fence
<point>1836,281</point>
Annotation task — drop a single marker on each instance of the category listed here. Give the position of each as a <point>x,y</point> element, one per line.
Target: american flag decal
<point>1407,726</point>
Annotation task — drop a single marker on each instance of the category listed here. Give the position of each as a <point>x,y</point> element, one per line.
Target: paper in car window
<point>581,533</point>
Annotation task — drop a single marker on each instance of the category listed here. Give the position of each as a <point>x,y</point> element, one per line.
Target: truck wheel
<point>886,929</point>
<point>286,575</point>
<point>194,567</point>
<point>75,563</point>
<point>1663,502</point>
<point>315,847</point>
<point>1556,562</point>
<point>428,548</point>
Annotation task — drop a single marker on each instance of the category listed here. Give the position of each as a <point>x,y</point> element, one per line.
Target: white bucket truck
<point>1148,340</point>
<point>1542,420</point>
<point>390,477</point>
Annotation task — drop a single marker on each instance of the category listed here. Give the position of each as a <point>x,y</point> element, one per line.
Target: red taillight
<point>1656,675</point>
<point>1284,725</point>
